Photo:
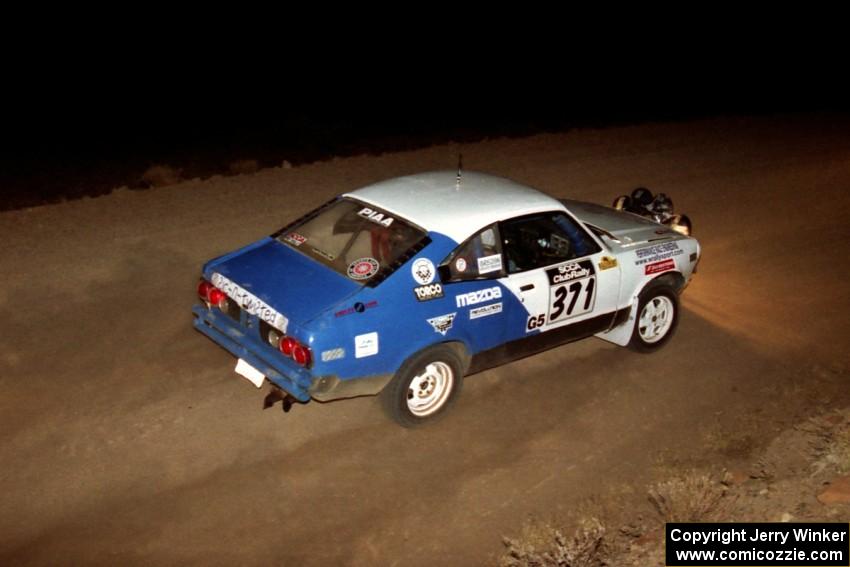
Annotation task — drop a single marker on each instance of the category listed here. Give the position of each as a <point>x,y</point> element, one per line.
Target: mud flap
<point>621,334</point>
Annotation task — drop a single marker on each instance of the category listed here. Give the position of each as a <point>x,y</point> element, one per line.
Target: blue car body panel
<point>327,312</point>
<point>294,284</point>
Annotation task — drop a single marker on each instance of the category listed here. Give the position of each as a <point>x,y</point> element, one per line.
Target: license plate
<point>247,371</point>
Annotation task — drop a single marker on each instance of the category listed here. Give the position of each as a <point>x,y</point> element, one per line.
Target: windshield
<point>354,239</point>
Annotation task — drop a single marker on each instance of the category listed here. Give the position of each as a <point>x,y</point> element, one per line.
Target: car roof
<point>436,202</point>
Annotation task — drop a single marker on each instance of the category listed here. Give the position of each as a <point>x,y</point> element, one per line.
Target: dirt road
<point>126,438</point>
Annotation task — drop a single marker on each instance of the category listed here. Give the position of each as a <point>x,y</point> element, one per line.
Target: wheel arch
<point>674,279</point>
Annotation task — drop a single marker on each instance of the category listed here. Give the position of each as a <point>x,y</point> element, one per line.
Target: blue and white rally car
<point>405,286</point>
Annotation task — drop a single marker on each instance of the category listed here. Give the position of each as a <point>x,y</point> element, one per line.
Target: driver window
<point>543,239</point>
<point>478,257</point>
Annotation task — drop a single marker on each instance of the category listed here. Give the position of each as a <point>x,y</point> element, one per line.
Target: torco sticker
<point>443,323</point>
<point>479,296</point>
<point>365,345</point>
<point>375,216</point>
<point>363,268</point>
<point>295,239</point>
<point>487,264</point>
<point>491,309</point>
<point>659,267</point>
<point>572,290</point>
<point>428,292</point>
<point>249,302</point>
<point>423,271</point>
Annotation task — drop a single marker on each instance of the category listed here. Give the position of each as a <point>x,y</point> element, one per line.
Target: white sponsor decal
<point>375,216</point>
<point>333,354</point>
<point>443,323</point>
<point>479,296</point>
<point>488,264</point>
<point>423,271</point>
<point>657,252</point>
<point>365,345</point>
<point>569,272</point>
<point>427,292</point>
<point>460,264</point>
<point>491,309</point>
<point>295,239</point>
<point>249,302</point>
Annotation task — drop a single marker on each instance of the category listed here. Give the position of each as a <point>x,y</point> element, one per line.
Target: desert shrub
<point>832,446</point>
<point>542,545</point>
<point>244,166</point>
<point>692,497</point>
<point>161,176</point>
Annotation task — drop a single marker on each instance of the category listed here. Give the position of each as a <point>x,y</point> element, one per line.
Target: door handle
<point>526,287</point>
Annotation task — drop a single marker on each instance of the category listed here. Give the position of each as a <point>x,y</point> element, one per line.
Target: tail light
<point>212,295</point>
<point>217,297</point>
<point>204,288</point>
<point>296,351</point>
<point>287,345</point>
<point>301,355</point>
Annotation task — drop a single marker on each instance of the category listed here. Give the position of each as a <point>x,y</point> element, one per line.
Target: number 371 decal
<point>572,290</point>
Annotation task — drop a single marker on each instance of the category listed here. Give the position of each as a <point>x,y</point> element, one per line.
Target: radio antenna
<point>459,170</point>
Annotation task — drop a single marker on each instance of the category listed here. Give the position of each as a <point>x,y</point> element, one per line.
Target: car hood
<point>626,227</point>
<point>296,286</point>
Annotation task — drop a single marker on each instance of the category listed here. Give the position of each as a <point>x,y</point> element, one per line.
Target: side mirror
<point>444,273</point>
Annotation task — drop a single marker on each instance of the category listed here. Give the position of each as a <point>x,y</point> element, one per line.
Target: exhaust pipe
<point>277,395</point>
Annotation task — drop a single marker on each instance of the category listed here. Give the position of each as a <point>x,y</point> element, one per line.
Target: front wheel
<point>424,387</point>
<point>657,318</point>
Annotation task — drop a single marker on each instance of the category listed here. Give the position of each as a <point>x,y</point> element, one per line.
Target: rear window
<point>356,240</point>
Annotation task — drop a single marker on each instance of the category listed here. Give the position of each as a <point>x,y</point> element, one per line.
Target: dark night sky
<point>68,132</point>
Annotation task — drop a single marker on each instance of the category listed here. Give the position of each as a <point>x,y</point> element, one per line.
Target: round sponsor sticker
<point>460,265</point>
<point>423,271</point>
<point>363,268</point>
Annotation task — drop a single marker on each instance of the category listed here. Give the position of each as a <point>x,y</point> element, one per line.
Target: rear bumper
<point>242,343</point>
<point>238,341</point>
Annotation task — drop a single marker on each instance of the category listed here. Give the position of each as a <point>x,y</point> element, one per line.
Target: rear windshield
<point>354,239</point>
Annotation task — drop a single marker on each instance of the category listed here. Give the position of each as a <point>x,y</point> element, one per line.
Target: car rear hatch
<point>290,283</point>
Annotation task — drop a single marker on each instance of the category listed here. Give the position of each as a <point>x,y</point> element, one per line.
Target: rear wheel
<point>657,317</point>
<point>424,387</point>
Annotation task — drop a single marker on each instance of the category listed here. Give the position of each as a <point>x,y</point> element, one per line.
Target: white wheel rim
<point>656,318</point>
<point>430,389</point>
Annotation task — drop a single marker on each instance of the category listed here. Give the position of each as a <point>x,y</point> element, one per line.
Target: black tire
<point>399,396</point>
<point>649,333</point>
<point>622,203</point>
<point>641,197</point>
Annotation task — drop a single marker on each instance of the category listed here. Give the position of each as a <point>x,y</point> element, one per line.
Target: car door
<point>562,277</point>
<point>472,278</point>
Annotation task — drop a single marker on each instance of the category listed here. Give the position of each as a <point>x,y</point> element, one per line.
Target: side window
<point>544,239</point>
<point>478,257</point>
